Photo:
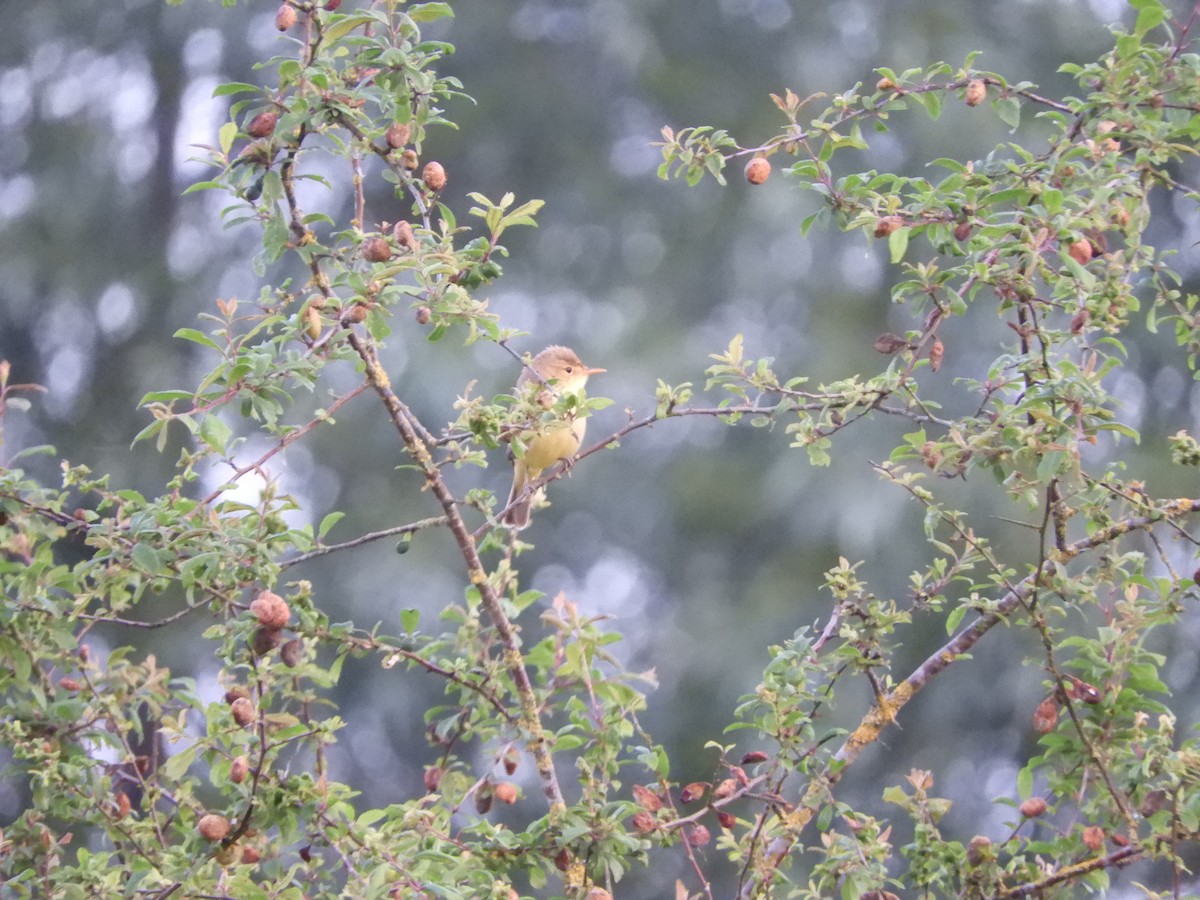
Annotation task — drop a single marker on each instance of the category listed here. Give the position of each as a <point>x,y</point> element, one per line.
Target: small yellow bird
<point>562,373</point>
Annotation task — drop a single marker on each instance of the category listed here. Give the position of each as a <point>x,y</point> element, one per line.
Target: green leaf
<point>147,558</point>
<point>235,87</point>
<point>196,337</point>
<point>955,618</point>
<point>898,243</point>
<point>328,522</point>
<point>226,136</point>
<point>1025,782</point>
<point>215,433</point>
<point>409,619</point>
<point>429,12</point>
<point>1009,111</point>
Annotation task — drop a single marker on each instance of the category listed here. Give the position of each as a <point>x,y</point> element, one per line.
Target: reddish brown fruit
<point>758,170</point>
<point>976,92</point>
<point>270,609</point>
<point>410,160</point>
<point>397,135</point>
<point>376,250</point>
<point>562,861</point>
<point>239,769</point>
<point>698,835</point>
<point>355,314</point>
<point>213,827</point>
<point>962,231</point>
<point>434,176</point>
<point>727,819</point>
<point>644,822</point>
<point>693,792</point>
<point>512,758</point>
<point>753,757</point>
<point>483,799</point>
<point>424,313</point>
<point>403,234</point>
<point>285,17</point>
<point>1045,717</point>
<point>1080,320</point>
<point>646,798</point>
<point>1081,251</point>
<point>935,354</point>
<point>887,224</point>
<point>70,684</point>
<point>979,849</point>
<point>1033,807</point>
<point>290,653</point>
<point>1093,838</point>
<point>332,5</point>
<point>312,323</point>
<point>250,855</point>
<point>123,804</point>
<point>885,84</point>
<point>243,711</point>
<point>262,125</point>
<point>724,789</point>
<point>234,692</point>
<point>265,640</point>
<point>433,777</point>
<point>506,792</point>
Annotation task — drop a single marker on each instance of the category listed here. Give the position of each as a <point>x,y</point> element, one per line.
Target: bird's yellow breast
<point>558,440</point>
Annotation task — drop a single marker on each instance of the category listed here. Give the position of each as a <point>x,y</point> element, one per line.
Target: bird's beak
<point>595,371</point>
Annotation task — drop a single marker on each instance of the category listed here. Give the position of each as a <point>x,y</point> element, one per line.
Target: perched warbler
<point>559,373</point>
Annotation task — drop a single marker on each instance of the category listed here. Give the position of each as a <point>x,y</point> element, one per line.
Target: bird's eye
<point>569,370</point>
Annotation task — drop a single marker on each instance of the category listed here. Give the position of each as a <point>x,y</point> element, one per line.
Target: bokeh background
<point>705,544</point>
